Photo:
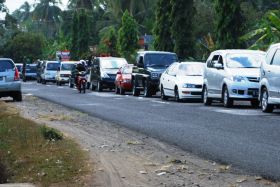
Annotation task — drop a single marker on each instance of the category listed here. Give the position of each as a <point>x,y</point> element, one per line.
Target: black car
<point>104,71</point>
<point>150,66</point>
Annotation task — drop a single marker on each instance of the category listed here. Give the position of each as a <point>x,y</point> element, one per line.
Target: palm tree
<point>267,33</point>
<point>23,13</point>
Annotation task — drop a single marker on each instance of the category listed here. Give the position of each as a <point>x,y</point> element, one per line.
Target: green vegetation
<point>190,28</point>
<point>27,156</point>
<point>127,37</point>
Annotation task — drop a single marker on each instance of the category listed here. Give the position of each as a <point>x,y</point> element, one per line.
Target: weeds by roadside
<point>30,153</point>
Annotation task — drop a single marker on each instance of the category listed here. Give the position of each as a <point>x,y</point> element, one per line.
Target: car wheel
<point>227,101</point>
<point>59,84</point>
<point>44,81</point>
<point>176,94</point>
<point>255,103</point>
<point>147,89</point>
<point>70,84</point>
<point>17,96</point>
<point>99,86</point>
<point>206,100</point>
<point>162,95</point>
<point>92,87</point>
<point>117,90</point>
<point>135,90</point>
<point>266,107</point>
<point>122,91</point>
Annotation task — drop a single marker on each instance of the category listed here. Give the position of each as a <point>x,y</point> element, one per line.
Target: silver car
<point>232,75</point>
<point>10,85</point>
<point>270,79</point>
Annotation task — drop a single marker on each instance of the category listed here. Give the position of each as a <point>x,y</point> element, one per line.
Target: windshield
<point>127,70</point>
<point>31,69</point>
<point>244,60</point>
<point>112,63</point>
<point>191,70</point>
<point>160,59</point>
<point>52,66</point>
<point>6,65</point>
<point>66,67</point>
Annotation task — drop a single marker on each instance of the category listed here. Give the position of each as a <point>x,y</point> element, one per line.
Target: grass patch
<point>28,155</point>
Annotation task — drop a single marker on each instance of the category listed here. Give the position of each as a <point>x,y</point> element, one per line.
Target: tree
<point>29,45</point>
<point>128,36</point>
<point>267,33</point>
<point>229,26</point>
<point>162,30</point>
<point>108,42</point>
<point>75,37</point>
<point>182,15</point>
<point>2,6</point>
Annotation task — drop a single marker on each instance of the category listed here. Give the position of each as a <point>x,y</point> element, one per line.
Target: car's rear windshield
<point>164,60</point>
<point>52,66</point>
<point>6,65</point>
<point>66,67</point>
<point>245,60</point>
<point>31,68</point>
<point>191,69</point>
<point>112,63</point>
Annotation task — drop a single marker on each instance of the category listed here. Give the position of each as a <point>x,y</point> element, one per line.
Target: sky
<point>15,4</point>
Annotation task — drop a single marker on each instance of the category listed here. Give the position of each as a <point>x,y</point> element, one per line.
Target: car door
<point>95,72</point>
<point>212,75</point>
<point>273,75</point>
<point>171,79</point>
<point>219,76</point>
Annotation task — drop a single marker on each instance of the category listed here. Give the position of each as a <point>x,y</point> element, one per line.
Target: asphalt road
<point>243,137</point>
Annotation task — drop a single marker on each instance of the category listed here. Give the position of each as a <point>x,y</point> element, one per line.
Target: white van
<point>49,69</point>
<point>270,79</point>
<point>64,72</point>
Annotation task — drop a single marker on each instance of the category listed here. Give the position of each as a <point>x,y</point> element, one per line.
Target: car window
<point>239,60</point>
<point>127,70</point>
<point>52,66</point>
<point>270,55</point>
<point>112,63</point>
<point>172,70</point>
<point>160,60</point>
<point>6,65</point>
<point>66,67</point>
<point>31,68</point>
<point>214,60</point>
<point>191,70</point>
<point>276,58</point>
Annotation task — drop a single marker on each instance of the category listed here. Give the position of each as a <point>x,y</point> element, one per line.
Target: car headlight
<point>238,79</point>
<point>155,75</point>
<point>104,75</point>
<point>188,85</point>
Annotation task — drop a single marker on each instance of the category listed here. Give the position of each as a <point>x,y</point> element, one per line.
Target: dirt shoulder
<point>126,158</point>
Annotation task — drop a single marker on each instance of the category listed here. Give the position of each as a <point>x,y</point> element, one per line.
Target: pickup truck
<point>149,67</point>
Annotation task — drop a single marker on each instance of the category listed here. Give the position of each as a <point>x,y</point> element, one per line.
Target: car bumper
<point>243,91</point>
<point>63,80</point>
<point>187,93</point>
<point>10,87</point>
<point>126,86</point>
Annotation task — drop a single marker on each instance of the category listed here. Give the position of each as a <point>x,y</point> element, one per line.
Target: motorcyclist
<point>80,67</point>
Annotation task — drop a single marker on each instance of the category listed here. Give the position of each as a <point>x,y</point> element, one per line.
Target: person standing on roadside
<point>24,70</point>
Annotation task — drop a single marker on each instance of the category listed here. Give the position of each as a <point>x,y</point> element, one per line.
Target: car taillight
<point>16,78</point>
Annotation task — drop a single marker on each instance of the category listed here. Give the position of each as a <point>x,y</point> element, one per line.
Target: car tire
<point>227,101</point>
<point>206,100</point>
<point>162,95</point>
<point>122,91</point>
<point>255,103</point>
<point>92,87</point>
<point>17,96</point>
<point>99,86</point>
<point>135,90</point>
<point>267,108</point>
<point>176,95</point>
<point>59,84</point>
<point>147,89</point>
<point>117,89</point>
<point>44,81</point>
<point>70,84</point>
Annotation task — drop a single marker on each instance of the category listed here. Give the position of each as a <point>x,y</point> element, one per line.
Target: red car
<point>123,79</point>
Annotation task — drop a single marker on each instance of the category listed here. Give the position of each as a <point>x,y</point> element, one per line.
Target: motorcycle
<point>81,82</point>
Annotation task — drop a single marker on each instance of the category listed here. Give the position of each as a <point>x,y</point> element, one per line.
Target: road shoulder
<point>127,158</point>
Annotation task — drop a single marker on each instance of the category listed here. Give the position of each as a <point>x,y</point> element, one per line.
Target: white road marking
<point>28,94</point>
<point>89,104</point>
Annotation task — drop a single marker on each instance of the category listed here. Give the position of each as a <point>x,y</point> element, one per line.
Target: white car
<point>49,69</point>
<point>64,72</point>
<point>182,81</point>
<point>232,75</point>
<point>270,79</point>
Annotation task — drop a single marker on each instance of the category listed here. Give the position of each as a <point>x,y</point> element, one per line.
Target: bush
<point>51,134</point>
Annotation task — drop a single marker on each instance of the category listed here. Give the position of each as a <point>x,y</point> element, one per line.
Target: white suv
<point>270,79</point>
<point>232,75</point>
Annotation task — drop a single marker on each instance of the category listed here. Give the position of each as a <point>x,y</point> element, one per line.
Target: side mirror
<point>218,66</point>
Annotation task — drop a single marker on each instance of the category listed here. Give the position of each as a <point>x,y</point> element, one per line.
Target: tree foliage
<point>162,30</point>
<point>25,45</point>
<point>229,26</point>
<point>182,15</point>
<point>108,42</point>
<point>128,36</point>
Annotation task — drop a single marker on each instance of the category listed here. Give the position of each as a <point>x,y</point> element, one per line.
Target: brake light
<point>16,78</point>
